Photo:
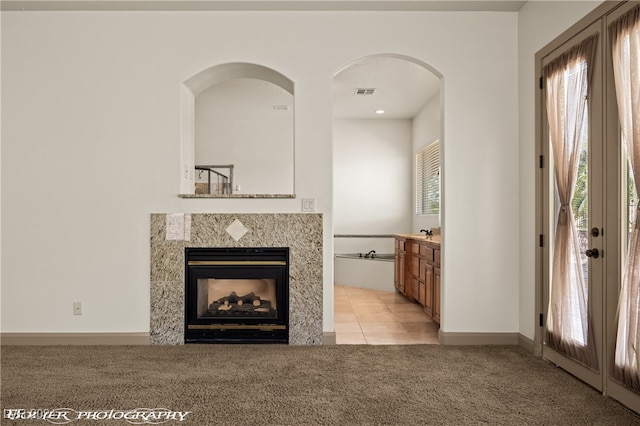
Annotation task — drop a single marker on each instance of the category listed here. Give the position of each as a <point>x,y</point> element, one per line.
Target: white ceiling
<point>402,88</point>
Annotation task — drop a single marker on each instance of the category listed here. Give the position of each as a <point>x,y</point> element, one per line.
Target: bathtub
<point>354,270</point>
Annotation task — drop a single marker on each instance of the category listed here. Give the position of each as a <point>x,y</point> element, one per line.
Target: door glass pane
<point>630,209</point>
<point>580,208</point>
<point>577,290</point>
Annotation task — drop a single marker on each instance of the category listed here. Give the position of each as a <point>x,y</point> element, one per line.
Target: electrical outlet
<point>77,308</point>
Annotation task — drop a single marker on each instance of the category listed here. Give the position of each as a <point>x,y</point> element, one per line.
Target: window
<point>428,179</point>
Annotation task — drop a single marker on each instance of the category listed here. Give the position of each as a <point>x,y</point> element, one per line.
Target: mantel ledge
<point>237,195</point>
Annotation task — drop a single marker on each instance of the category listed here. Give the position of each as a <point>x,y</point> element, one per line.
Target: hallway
<point>372,317</point>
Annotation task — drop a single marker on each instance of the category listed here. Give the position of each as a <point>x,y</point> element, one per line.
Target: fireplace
<point>236,295</point>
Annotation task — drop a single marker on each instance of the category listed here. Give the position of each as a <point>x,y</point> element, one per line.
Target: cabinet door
<point>422,299</point>
<point>415,266</point>
<point>422,270</point>
<point>399,271</point>
<point>415,288</point>
<point>436,295</point>
<point>428,284</point>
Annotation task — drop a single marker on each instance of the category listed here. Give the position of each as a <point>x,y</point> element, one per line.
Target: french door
<point>586,206</point>
<point>573,206</point>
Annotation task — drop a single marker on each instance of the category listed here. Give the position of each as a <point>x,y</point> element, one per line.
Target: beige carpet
<point>293,385</point>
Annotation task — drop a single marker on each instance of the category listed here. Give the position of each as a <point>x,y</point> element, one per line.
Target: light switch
<point>308,204</point>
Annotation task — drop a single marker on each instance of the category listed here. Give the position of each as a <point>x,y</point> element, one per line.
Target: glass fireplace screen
<point>236,298</point>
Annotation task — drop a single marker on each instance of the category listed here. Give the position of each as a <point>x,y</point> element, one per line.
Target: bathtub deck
<point>373,317</point>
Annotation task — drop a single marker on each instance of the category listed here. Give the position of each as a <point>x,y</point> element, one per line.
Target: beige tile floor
<point>372,317</point>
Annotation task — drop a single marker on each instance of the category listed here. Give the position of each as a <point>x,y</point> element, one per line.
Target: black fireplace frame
<point>239,263</point>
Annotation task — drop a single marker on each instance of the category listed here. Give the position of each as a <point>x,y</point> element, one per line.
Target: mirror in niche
<point>244,133</point>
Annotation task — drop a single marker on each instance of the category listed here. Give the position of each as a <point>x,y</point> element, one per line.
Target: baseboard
<point>525,343</point>
<point>16,339</point>
<point>453,339</point>
<point>328,338</point>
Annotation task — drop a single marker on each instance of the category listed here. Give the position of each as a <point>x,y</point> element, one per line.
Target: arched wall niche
<point>243,112</point>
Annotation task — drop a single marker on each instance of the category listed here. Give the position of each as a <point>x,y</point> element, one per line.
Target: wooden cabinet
<point>428,299</point>
<point>436,295</point>
<point>417,272</point>
<point>399,265</point>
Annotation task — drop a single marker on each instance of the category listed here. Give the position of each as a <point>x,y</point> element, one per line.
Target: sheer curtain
<point>625,36</point>
<point>567,88</point>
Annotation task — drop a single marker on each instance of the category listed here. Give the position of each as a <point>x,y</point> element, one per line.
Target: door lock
<point>595,253</point>
<point>595,232</point>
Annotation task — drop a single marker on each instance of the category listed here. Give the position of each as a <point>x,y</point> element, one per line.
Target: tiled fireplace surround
<point>301,232</point>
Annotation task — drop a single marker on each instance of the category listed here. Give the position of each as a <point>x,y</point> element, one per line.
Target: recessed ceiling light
<point>379,111</point>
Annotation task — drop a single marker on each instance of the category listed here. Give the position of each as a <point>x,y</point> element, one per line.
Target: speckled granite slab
<point>301,232</point>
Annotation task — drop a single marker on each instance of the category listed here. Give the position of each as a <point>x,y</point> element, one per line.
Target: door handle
<point>595,253</point>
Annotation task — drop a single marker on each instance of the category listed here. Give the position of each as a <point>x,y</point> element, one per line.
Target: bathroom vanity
<point>417,270</point>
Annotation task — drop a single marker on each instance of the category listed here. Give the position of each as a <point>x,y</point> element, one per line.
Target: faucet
<point>428,233</point>
<point>371,254</point>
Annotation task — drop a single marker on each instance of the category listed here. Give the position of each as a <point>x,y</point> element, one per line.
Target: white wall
<point>538,24</point>
<point>372,176</point>
<point>427,126</point>
<point>91,107</point>
<point>479,216</point>
<point>371,195</point>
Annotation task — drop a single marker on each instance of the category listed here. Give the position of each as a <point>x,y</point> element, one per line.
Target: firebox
<point>236,295</point>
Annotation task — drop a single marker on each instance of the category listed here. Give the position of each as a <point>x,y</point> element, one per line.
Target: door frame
<point>612,155</point>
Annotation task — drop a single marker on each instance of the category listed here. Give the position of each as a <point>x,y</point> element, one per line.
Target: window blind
<point>428,179</point>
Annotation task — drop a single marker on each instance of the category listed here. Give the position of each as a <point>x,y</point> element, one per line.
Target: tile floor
<point>372,317</point>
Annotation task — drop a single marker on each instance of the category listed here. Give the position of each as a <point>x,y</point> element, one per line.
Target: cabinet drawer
<point>415,248</point>
<point>436,257</point>
<point>426,252</point>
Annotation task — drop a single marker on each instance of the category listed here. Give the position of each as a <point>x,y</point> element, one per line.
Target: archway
<point>374,164</point>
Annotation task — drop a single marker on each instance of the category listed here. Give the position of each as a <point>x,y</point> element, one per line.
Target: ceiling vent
<point>364,92</point>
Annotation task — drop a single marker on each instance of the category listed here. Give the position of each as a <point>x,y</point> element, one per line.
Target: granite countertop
<point>420,237</point>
